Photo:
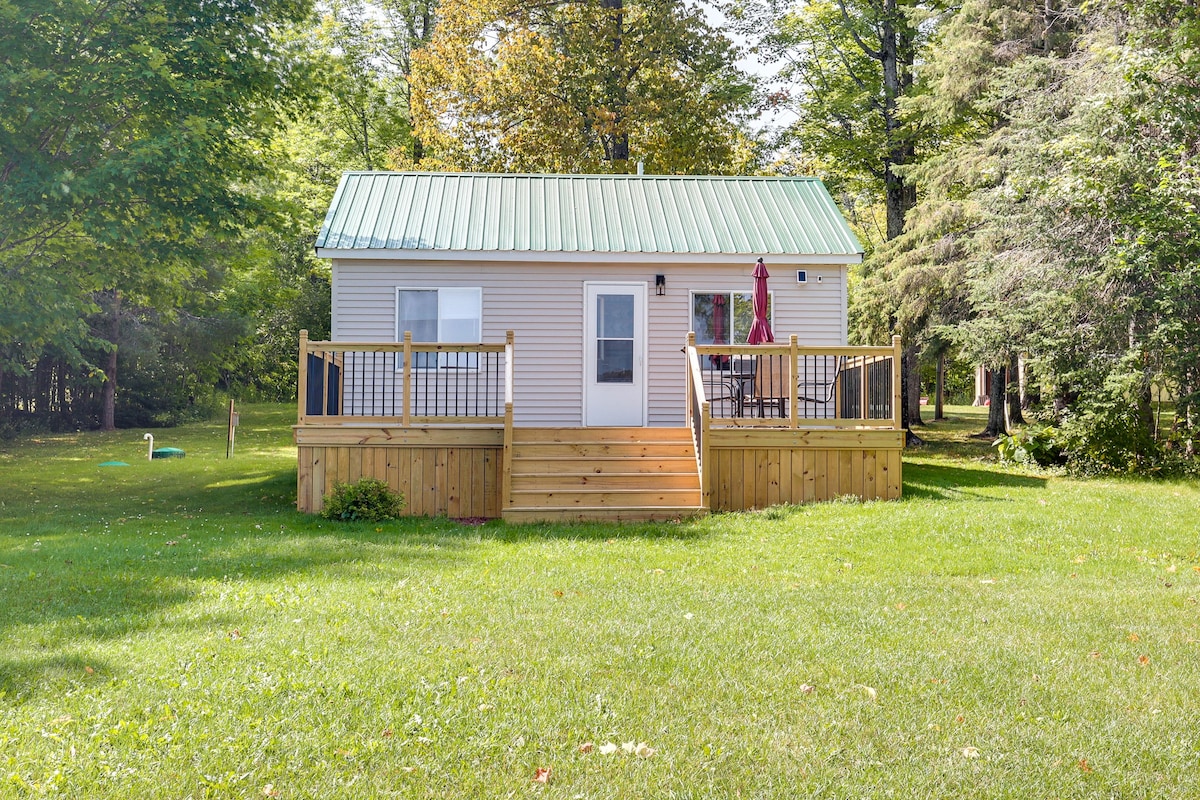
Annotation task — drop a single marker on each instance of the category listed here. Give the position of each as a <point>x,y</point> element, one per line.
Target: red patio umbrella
<point>760,331</point>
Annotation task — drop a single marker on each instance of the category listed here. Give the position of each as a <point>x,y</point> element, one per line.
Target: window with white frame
<point>725,317</point>
<point>441,315</point>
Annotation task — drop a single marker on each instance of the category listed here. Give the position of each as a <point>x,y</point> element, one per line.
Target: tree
<point>1068,163</point>
<point>850,66</point>
<point>134,134</point>
<point>580,85</point>
<point>363,109</point>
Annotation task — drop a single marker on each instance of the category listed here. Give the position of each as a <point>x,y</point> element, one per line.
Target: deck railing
<point>405,383</point>
<point>786,385</point>
<point>699,416</point>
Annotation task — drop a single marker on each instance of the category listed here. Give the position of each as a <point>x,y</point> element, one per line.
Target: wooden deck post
<point>406,412</point>
<point>864,390</point>
<point>507,453</point>
<point>897,424</point>
<point>706,450</point>
<point>302,379</point>
<point>793,383</point>
<point>687,368</point>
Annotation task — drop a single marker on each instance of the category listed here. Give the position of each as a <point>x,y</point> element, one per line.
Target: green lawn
<point>175,629</point>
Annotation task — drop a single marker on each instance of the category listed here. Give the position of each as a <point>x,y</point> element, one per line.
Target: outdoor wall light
<point>660,285</point>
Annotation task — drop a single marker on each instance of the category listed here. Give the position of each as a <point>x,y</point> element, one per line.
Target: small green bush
<point>368,500</point>
<point>1033,445</point>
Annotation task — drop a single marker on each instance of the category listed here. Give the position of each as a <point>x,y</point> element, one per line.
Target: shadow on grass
<point>88,566</point>
<point>943,482</point>
<point>19,677</point>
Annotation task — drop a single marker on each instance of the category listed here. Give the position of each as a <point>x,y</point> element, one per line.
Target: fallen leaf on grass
<point>89,670</point>
<point>1133,637</point>
<point>235,634</point>
<point>1084,765</point>
<point>608,749</point>
<point>807,689</point>
<point>541,775</point>
<point>629,747</point>
<point>970,752</point>
<point>871,693</point>
<point>387,733</point>
<point>644,750</point>
<point>1094,654</point>
<point>1143,660</point>
<point>270,791</point>
<point>486,706</point>
<point>901,606</point>
<point>586,747</point>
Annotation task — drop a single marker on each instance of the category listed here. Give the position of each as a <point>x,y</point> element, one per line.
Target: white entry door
<point>614,381</point>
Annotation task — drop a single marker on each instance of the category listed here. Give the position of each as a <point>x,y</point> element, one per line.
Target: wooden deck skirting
<point>464,467</point>
<point>758,468</point>
<point>452,472</point>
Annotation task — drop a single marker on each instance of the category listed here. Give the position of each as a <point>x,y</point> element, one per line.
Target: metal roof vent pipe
<point>641,168</point>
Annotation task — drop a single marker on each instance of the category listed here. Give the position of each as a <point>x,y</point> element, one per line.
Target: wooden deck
<point>455,464</point>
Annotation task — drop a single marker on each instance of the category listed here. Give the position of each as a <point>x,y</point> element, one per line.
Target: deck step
<point>604,465</point>
<point>547,481</point>
<point>603,473</point>
<point>603,514</point>
<point>602,449</point>
<point>604,496</point>
<point>602,435</point>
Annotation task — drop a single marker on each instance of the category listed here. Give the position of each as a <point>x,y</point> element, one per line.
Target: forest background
<point>1024,175</point>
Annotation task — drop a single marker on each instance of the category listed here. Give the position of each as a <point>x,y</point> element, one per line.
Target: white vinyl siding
<point>543,303</point>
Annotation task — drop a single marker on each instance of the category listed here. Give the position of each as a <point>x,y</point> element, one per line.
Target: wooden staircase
<point>624,474</point>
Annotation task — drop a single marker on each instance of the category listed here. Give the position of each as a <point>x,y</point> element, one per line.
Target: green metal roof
<point>405,211</point>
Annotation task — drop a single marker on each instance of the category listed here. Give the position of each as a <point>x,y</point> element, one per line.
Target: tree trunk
<point>938,410</point>
<point>907,358</point>
<point>1013,393</point>
<point>912,386</point>
<point>108,392</point>
<point>896,62</point>
<point>996,424</point>
<point>900,198</point>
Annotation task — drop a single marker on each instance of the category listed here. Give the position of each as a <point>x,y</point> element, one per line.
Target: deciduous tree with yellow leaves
<point>580,86</point>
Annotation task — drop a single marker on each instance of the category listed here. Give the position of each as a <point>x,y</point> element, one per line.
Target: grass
<point>175,629</point>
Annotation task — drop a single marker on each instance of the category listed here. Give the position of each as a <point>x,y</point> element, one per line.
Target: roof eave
<point>560,256</point>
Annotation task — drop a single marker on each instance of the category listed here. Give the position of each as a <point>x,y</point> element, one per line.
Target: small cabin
<point>547,328</point>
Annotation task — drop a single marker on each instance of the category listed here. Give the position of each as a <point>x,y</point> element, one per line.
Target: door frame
<point>641,290</point>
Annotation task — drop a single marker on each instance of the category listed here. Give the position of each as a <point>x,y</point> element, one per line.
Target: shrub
<point>1033,445</point>
<point>368,499</point>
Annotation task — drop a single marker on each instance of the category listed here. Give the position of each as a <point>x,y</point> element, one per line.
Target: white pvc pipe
<point>150,451</point>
